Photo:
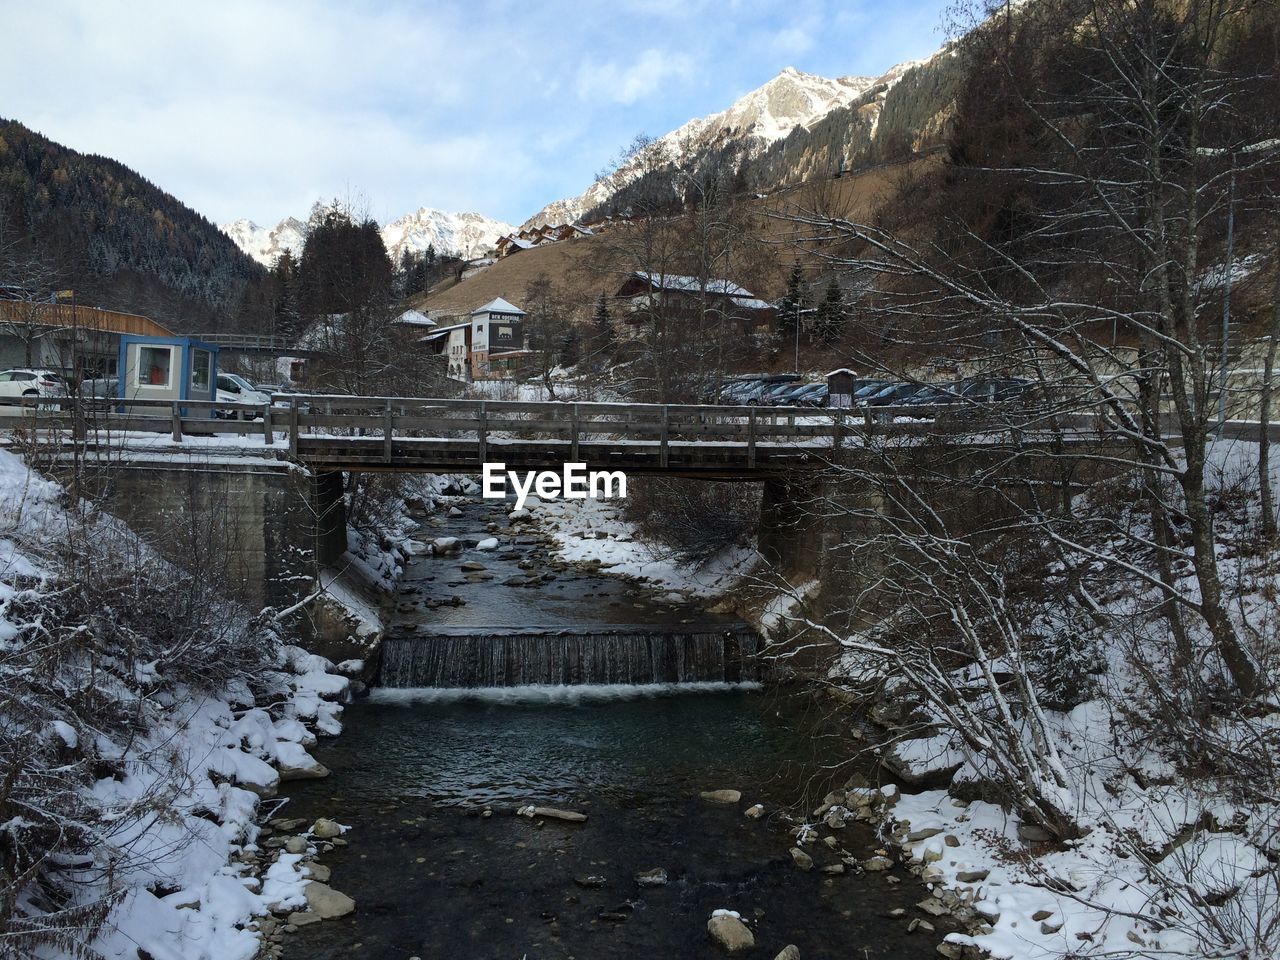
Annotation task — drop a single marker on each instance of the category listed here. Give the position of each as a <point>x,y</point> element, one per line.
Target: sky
<point>253,108</point>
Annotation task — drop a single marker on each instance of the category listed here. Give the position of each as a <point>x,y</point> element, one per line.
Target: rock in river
<point>722,796</point>
<point>324,829</point>
<point>326,902</point>
<point>801,859</point>
<point>730,933</point>
<point>652,878</point>
<point>551,813</point>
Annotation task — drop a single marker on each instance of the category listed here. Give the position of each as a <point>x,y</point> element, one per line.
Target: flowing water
<point>456,730</point>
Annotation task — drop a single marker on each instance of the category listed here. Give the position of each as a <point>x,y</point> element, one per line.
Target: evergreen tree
<point>829,324</point>
<point>792,304</point>
<point>570,347</point>
<point>602,324</point>
<point>286,315</point>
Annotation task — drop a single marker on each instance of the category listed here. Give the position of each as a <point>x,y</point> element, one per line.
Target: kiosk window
<point>155,366</point>
<point>201,370</point>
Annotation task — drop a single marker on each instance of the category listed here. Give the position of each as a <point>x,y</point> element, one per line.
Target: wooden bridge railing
<point>311,420</point>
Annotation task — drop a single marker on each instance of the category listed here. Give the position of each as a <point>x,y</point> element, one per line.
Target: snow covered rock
<point>490,543</point>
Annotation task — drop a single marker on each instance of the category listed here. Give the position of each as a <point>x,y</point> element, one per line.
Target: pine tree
<point>602,324</point>
<point>284,308</point>
<point>570,347</point>
<point>792,304</point>
<point>829,324</point>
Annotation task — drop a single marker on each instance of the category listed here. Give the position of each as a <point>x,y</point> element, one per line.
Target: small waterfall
<point>613,655</point>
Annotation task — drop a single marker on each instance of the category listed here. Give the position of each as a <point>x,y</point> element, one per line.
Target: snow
<point>183,800</point>
<point>594,530</point>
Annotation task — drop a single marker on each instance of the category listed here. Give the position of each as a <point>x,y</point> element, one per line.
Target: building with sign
<point>496,328</point>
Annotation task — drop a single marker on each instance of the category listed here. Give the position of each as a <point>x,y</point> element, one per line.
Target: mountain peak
<point>756,119</point>
<point>458,234</point>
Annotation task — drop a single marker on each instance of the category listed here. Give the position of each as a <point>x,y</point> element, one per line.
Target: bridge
<point>331,433</point>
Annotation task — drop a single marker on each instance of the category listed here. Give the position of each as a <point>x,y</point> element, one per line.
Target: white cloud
<point>643,78</point>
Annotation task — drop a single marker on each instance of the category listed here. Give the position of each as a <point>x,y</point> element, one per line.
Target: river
<point>429,781</point>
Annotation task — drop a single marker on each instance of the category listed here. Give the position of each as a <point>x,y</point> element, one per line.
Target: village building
<point>75,340</point>
<point>497,328</point>
<point>453,342</point>
<point>676,295</point>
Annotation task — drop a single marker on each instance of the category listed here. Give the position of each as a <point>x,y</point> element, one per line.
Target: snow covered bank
<point>142,719</point>
<point>594,532</point>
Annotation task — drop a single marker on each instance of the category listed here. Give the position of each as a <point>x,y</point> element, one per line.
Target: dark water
<point>435,878</point>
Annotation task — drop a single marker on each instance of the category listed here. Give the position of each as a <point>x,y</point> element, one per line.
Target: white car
<point>27,382</point>
<point>240,389</point>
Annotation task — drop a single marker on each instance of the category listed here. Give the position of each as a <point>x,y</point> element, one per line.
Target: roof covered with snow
<point>498,305</point>
<point>671,281</point>
<point>415,318</point>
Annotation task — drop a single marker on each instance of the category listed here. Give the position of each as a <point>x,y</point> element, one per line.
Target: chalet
<point>676,295</point>
<point>454,344</point>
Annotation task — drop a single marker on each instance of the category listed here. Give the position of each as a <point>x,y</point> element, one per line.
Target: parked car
<point>31,382</point>
<point>893,395</point>
<point>815,395</point>
<point>240,389</point>
<point>864,393</point>
<point>786,395</point>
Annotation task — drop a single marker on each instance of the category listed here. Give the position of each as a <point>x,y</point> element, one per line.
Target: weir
<point>502,657</point>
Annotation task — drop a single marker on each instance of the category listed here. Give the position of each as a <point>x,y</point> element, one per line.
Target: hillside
<point>576,266</point>
<point>117,239</point>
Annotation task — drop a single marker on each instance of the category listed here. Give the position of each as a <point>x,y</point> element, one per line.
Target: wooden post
<point>268,437</point>
<point>838,430</point>
<point>177,422</point>
<point>663,452</point>
<point>576,427</point>
<point>293,428</point>
<point>482,433</point>
<point>751,438</point>
<point>388,421</point>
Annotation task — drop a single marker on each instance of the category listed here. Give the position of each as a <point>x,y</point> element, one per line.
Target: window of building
<point>201,371</point>
<point>155,366</point>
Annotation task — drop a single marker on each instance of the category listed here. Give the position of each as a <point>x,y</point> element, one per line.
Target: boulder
<point>313,771</point>
<point>730,933</point>
<point>972,876</point>
<point>490,543</point>
<point>296,845</point>
<point>652,878</point>
<point>473,566</point>
<point>326,902</point>
<point>789,952</point>
<point>721,796</point>
<point>318,871</point>
<point>876,864</point>
<point>801,859</point>
<point>551,813</point>
<point>324,829</point>
<point>755,811</point>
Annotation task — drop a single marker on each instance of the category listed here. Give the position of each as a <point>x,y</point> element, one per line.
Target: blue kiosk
<point>167,368</point>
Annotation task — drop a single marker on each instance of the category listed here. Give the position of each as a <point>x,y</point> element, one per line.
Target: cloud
<point>643,78</point>
<point>256,108</point>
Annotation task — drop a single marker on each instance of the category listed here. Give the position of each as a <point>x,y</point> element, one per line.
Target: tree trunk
<point>1264,416</point>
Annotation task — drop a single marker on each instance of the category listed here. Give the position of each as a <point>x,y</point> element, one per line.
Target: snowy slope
<point>465,234</point>
<point>764,115</point>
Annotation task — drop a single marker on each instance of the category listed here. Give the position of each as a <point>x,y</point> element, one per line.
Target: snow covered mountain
<point>465,234</point>
<point>468,234</point>
<point>266,245</point>
<point>761,117</point>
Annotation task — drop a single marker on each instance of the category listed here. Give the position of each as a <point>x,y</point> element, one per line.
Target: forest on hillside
<point>89,223</point>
